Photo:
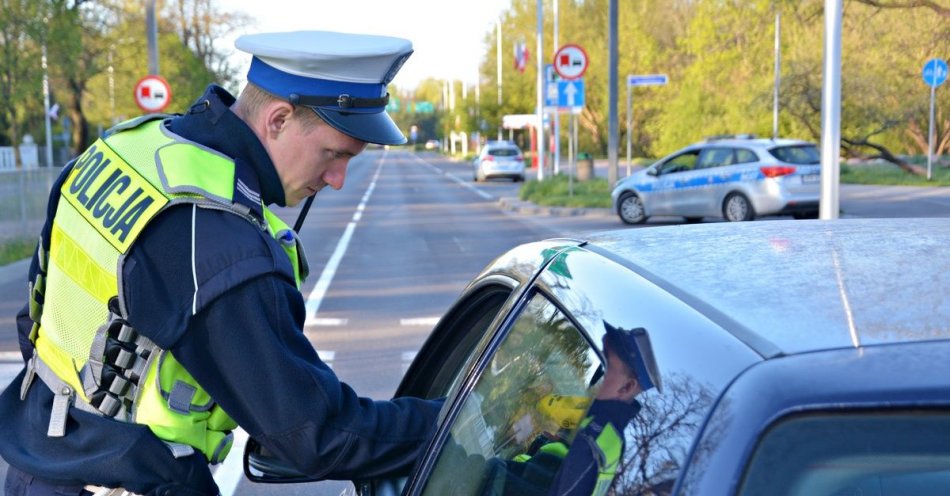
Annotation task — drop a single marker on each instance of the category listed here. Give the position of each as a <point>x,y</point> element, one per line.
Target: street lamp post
<point>151,34</point>
<point>498,62</point>
<point>540,92</point>
<point>49,131</point>
<point>831,113</point>
<point>111,85</point>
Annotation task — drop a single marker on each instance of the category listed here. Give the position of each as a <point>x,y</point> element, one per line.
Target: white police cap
<point>341,76</point>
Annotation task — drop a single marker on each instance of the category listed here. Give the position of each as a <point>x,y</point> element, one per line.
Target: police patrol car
<point>733,177</point>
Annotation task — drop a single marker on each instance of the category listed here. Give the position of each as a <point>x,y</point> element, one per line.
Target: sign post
<point>152,93</point>
<point>935,73</point>
<point>641,80</point>
<point>570,63</point>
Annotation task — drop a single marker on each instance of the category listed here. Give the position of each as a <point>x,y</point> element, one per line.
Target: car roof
<point>500,144</point>
<point>751,142</point>
<point>787,287</point>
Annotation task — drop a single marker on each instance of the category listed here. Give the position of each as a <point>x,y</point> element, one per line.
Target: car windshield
<point>504,152</point>
<point>797,154</point>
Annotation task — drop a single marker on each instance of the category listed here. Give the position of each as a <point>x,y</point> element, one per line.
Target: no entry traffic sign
<point>570,61</point>
<point>152,93</point>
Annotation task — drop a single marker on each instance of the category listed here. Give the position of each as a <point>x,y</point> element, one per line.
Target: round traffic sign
<point>935,72</point>
<point>152,93</point>
<point>570,61</point>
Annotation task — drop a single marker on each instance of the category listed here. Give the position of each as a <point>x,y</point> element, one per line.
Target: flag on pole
<point>521,56</point>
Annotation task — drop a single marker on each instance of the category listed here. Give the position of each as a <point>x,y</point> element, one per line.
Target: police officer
<point>165,307</point>
<point>591,463</point>
<point>587,465</point>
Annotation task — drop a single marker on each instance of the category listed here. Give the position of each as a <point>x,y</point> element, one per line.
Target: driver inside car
<point>586,464</point>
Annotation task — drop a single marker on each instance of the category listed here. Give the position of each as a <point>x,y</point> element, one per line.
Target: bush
<point>16,249</point>
<point>555,191</point>
<point>888,174</point>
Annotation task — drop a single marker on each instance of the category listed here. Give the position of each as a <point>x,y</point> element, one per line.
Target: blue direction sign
<point>550,86</point>
<point>570,93</point>
<point>646,80</point>
<point>935,72</point>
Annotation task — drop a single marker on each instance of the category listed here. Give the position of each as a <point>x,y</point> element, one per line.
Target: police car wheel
<point>630,209</point>
<point>736,208</point>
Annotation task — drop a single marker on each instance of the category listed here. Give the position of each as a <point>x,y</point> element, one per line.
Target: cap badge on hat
<point>391,73</point>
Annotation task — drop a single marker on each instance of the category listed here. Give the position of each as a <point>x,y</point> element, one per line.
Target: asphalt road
<point>392,250</point>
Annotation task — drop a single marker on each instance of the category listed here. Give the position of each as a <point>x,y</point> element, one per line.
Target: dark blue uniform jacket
<point>244,344</point>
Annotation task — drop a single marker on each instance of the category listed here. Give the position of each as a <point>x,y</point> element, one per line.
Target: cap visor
<point>376,128</point>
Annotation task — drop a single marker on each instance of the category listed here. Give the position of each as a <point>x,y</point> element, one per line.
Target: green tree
<point>20,72</point>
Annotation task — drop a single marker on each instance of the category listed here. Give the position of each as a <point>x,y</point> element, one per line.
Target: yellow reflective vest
<point>114,189</point>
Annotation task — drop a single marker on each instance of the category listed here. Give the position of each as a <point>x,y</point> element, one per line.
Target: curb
<point>525,207</point>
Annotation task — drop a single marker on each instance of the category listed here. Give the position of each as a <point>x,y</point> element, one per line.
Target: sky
<point>447,35</point>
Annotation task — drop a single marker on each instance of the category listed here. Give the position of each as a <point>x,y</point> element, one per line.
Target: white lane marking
<point>453,177</point>
<point>9,371</point>
<point>229,474</point>
<point>323,284</point>
<point>327,322</point>
<point>326,356</point>
<point>11,356</point>
<point>419,321</point>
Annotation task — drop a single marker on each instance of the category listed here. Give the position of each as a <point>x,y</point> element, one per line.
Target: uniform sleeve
<point>246,347</point>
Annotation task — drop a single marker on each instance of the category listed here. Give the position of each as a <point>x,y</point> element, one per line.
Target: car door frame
<point>662,200</point>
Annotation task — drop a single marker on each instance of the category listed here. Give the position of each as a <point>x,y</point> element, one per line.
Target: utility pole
<point>778,71</point>
<point>151,34</point>
<point>49,132</point>
<point>612,130</point>
<point>540,92</point>
<point>556,135</point>
<point>831,113</point>
<point>498,61</point>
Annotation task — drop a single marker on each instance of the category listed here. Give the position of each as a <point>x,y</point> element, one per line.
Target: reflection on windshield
<point>659,438</point>
<point>533,395</point>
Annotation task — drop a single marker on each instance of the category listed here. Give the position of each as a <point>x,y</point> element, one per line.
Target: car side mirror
<point>653,172</point>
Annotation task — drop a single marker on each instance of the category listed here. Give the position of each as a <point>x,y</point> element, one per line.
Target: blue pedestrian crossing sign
<point>935,72</point>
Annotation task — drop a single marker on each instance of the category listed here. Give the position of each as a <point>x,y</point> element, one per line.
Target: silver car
<point>778,358</point>
<point>499,159</point>
<point>736,179</point>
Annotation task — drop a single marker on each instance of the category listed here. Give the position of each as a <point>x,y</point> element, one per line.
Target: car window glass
<point>745,156</point>
<point>543,361</point>
<point>503,152</point>
<point>715,157</point>
<point>469,322</point>
<point>680,163</point>
<point>797,154</point>
<point>861,453</point>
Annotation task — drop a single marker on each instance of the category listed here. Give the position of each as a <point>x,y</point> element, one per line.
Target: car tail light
<point>519,158</point>
<point>777,170</point>
<point>489,158</point>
